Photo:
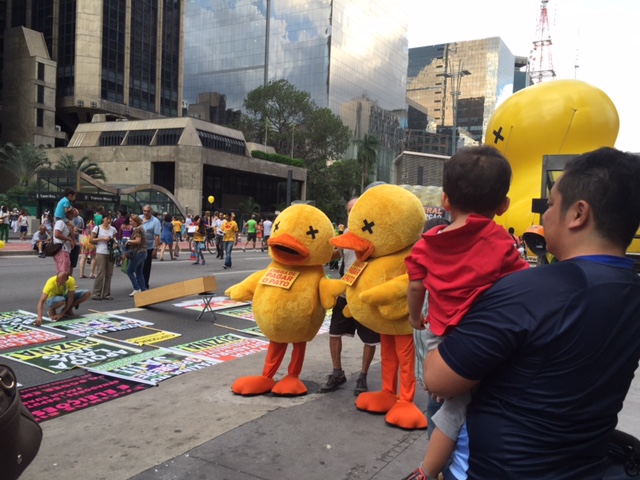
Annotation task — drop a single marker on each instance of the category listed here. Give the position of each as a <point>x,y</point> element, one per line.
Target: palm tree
<point>249,206</point>
<point>367,156</point>
<point>23,161</point>
<point>84,165</point>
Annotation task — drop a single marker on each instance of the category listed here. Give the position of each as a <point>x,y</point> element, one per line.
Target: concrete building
<point>190,158</point>
<point>116,57</point>
<point>349,55</point>
<point>460,83</point>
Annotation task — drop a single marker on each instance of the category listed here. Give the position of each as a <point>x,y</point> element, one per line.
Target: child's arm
<point>415,299</point>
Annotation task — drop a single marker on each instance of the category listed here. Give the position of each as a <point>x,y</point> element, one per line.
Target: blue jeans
<point>228,246</point>
<point>135,271</point>
<point>58,299</point>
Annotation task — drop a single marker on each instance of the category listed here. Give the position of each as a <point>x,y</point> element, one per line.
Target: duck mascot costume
<point>290,296</point>
<point>384,224</point>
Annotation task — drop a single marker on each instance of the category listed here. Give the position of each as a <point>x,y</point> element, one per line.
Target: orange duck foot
<point>289,386</point>
<point>376,402</point>
<point>256,385</point>
<point>406,415</point>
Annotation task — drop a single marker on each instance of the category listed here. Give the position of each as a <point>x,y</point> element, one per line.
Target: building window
<point>113,39</point>
<point>221,142</point>
<point>170,74</point>
<point>66,48</point>
<point>144,33</point>
<point>140,137</point>
<point>110,139</point>
<point>39,117</point>
<point>168,136</point>
<point>40,95</point>
<point>40,71</point>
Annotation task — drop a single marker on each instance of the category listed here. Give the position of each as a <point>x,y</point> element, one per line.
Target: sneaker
<point>41,255</point>
<point>134,292</point>
<point>244,249</point>
<point>225,267</point>
<point>333,382</point>
<point>361,385</point>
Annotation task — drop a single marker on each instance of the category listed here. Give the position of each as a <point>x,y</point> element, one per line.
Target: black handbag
<point>51,249</point>
<point>20,435</point>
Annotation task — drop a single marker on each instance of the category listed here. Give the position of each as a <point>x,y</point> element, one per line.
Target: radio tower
<point>541,60</point>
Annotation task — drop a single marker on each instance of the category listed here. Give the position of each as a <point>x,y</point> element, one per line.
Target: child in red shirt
<point>456,264</point>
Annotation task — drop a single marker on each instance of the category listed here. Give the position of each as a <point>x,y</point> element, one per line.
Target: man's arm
<point>43,298</point>
<point>441,380</point>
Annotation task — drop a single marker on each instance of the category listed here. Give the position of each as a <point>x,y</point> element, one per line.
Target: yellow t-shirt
<point>52,289</point>
<point>229,228</point>
<point>177,226</point>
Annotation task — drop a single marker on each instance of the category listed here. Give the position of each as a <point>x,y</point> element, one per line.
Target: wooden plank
<point>174,291</point>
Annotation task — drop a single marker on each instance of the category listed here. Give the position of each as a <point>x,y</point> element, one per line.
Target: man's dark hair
<point>607,179</point>
<point>476,179</point>
<point>68,191</point>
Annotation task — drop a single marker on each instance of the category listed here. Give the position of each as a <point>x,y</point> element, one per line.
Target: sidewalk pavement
<point>192,426</point>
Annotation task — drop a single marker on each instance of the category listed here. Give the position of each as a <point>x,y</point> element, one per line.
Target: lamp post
<point>456,78</point>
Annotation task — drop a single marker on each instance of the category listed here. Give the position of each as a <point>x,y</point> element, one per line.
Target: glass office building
<point>477,73</point>
<point>337,50</point>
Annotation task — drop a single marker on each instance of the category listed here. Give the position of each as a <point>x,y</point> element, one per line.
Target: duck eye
<point>312,232</point>
<point>368,227</point>
<point>277,226</point>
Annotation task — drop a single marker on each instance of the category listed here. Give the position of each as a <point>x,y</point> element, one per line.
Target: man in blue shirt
<point>552,350</point>
<point>152,228</point>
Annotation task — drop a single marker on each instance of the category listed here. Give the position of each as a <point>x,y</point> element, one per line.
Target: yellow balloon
<point>559,117</point>
<point>1,244</point>
<point>211,199</point>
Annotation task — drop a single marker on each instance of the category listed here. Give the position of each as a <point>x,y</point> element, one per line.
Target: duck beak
<point>286,249</point>
<point>349,241</point>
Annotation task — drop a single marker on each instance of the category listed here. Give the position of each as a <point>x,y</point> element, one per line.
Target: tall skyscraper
<point>120,57</point>
<point>350,55</point>
<point>453,88</point>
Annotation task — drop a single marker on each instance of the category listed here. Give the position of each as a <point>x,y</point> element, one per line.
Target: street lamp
<point>456,79</point>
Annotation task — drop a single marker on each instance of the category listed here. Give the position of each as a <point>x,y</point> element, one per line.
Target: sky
<point>600,36</point>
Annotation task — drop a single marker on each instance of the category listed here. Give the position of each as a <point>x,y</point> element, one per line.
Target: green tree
<point>367,156</point>
<point>249,206</point>
<point>276,110</point>
<point>24,161</point>
<point>84,165</point>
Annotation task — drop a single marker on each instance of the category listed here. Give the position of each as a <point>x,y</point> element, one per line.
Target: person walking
<point>199,238</point>
<point>4,223</point>
<point>136,248</point>
<point>15,214</point>
<point>266,233</point>
<point>252,231</point>
<point>167,237</point>
<point>219,235</point>
<point>229,239</point>
<point>101,237</point>
<point>23,224</point>
<point>152,230</point>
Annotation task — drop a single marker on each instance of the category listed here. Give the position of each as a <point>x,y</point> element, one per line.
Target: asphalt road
<point>24,276</point>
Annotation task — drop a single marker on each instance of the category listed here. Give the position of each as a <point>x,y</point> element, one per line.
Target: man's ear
<point>445,202</point>
<point>504,206</point>
<point>578,214</point>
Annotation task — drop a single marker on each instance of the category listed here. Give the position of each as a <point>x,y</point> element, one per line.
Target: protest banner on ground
<point>62,356</point>
<point>241,312</point>
<point>155,337</point>
<point>97,324</point>
<point>153,366</point>
<point>61,397</point>
<point>216,303</point>
<point>17,317</point>
<point>12,336</point>
<point>223,347</point>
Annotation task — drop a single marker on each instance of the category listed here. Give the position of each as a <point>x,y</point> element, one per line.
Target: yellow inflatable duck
<point>384,224</point>
<point>290,296</point>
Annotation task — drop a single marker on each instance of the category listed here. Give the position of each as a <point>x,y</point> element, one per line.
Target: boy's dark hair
<point>476,179</point>
<point>607,179</point>
<point>68,191</point>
